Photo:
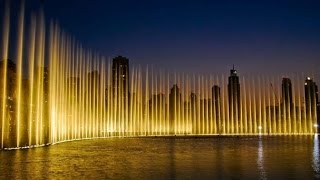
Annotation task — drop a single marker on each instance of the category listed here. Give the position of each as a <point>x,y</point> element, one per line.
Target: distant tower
<point>286,91</point>
<point>216,100</point>
<point>286,105</point>
<point>311,102</point>
<point>174,108</point>
<point>120,90</point>
<point>234,100</point>
<point>120,76</point>
<point>194,111</point>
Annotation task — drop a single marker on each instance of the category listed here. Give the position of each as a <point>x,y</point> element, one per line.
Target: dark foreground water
<point>168,158</point>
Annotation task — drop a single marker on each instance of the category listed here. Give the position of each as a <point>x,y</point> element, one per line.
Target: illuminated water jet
<point>74,93</point>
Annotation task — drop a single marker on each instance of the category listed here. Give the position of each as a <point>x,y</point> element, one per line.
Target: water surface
<point>169,158</point>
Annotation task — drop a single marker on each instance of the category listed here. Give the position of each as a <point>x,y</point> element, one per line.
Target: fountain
<point>57,90</point>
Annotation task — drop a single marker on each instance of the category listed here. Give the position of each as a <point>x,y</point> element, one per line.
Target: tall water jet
<point>19,70</point>
<point>4,56</point>
<point>73,93</point>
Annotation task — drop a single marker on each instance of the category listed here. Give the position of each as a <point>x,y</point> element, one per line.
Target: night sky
<point>259,37</point>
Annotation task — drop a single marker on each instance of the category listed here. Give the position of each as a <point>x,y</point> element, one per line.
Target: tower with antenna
<point>234,100</point>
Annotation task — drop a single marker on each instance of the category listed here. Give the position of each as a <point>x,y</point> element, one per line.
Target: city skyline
<point>160,89</point>
<point>61,77</point>
<point>261,50</point>
<point>169,109</point>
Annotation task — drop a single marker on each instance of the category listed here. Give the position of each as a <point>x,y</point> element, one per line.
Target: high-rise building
<point>286,91</point>
<point>311,102</point>
<point>234,100</point>
<point>174,108</point>
<point>286,106</point>
<point>194,111</point>
<point>120,91</point>
<point>216,105</point>
<point>120,76</point>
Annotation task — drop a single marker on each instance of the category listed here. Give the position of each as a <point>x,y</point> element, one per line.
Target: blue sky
<point>196,36</point>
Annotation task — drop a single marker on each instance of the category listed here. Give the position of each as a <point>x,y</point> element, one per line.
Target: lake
<point>269,157</point>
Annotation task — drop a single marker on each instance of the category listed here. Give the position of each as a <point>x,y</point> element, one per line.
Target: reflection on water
<point>316,162</point>
<point>169,158</point>
<point>260,160</point>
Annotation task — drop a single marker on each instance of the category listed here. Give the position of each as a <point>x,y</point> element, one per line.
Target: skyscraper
<point>194,111</point>
<point>311,102</point>
<point>216,100</point>
<point>286,105</point>
<point>286,91</point>
<point>174,108</point>
<point>120,91</point>
<point>234,100</point>
<point>120,76</point>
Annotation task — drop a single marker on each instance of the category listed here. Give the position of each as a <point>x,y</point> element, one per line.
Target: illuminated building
<point>216,100</point>
<point>234,100</point>
<point>311,101</point>
<point>174,108</point>
<point>120,90</point>
<point>194,111</point>
<point>120,76</point>
<point>286,105</point>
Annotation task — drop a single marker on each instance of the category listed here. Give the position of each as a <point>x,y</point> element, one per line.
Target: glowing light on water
<point>316,154</point>
<point>260,160</point>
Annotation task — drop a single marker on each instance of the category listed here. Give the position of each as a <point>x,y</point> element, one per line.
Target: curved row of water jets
<point>79,96</point>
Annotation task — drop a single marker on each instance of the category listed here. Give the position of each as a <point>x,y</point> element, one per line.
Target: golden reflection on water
<point>316,161</point>
<point>168,158</point>
<point>260,160</point>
